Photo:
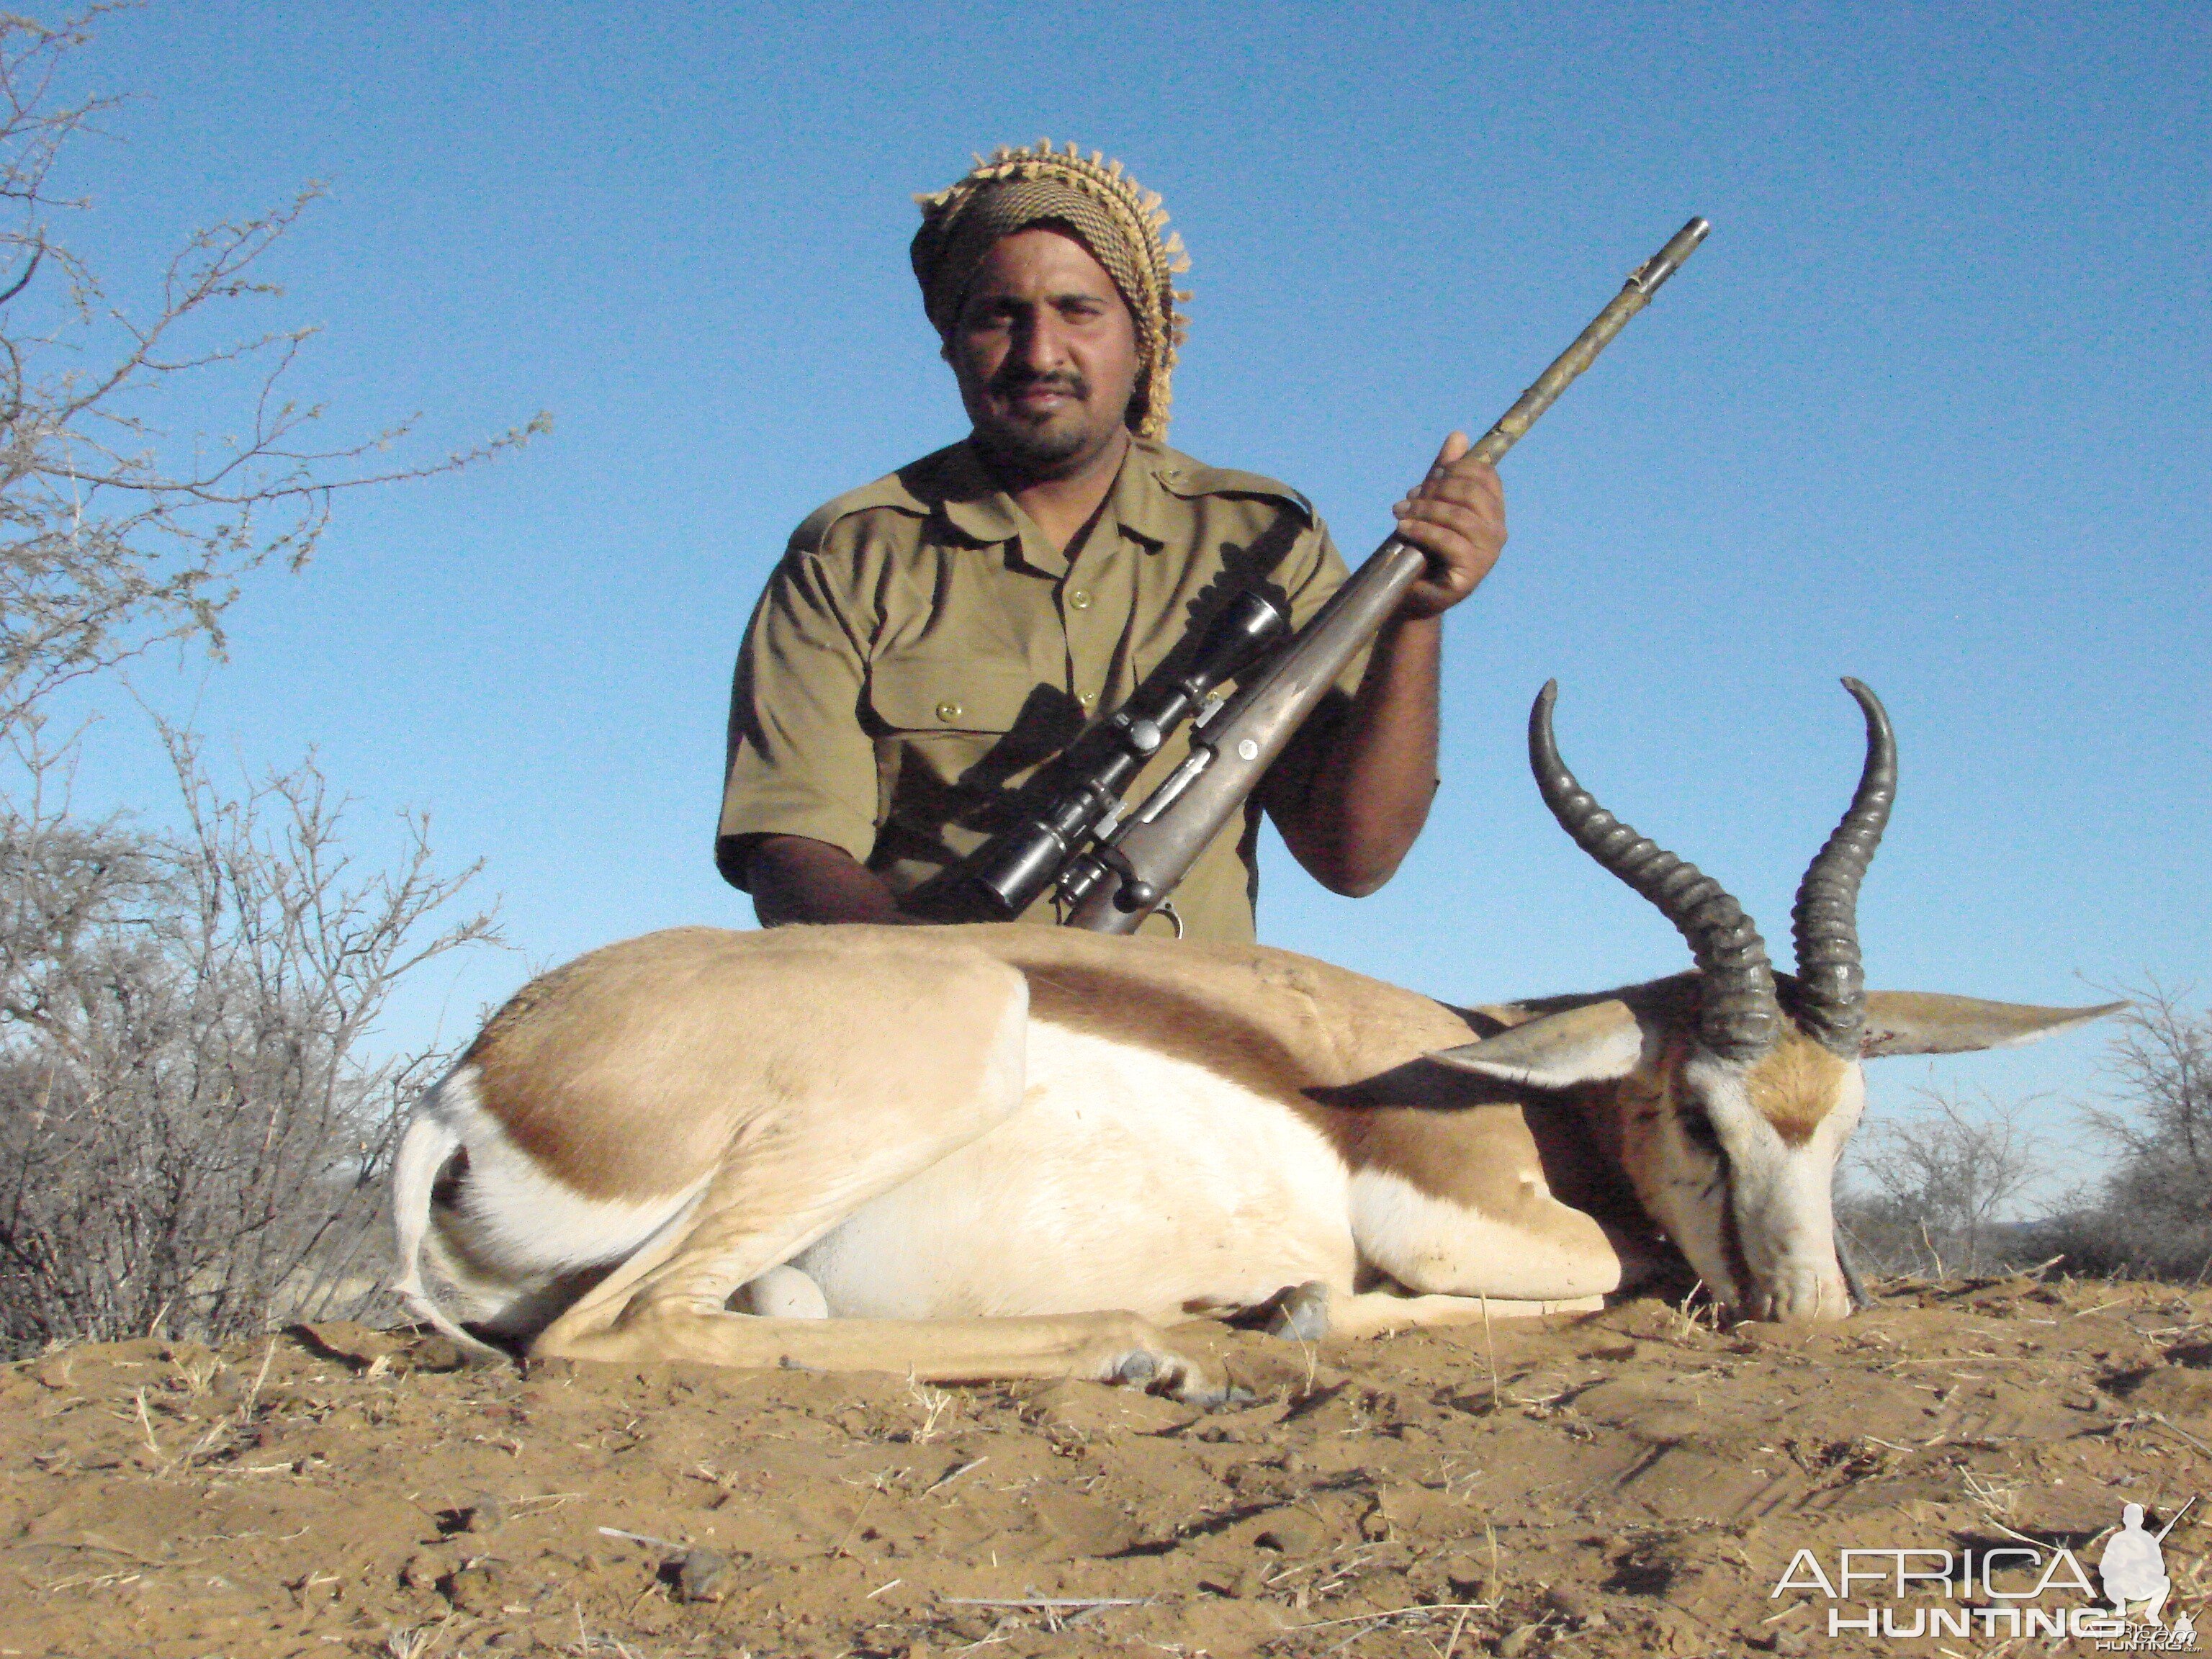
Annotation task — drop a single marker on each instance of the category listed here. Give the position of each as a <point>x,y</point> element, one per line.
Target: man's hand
<point>1457,517</point>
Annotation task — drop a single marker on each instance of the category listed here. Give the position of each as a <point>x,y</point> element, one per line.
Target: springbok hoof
<point>1228,1398</point>
<point>1137,1368</point>
<point>1301,1314</point>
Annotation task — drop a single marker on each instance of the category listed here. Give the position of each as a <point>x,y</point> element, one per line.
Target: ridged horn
<point>1825,921</point>
<point>1740,1020</point>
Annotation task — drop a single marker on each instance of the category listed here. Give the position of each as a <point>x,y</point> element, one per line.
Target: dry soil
<point>1625,1483</point>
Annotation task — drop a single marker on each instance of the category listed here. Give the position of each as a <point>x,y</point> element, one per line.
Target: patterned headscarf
<point>1093,201</point>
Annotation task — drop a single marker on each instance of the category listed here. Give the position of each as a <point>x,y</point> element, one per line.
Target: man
<point>929,640</point>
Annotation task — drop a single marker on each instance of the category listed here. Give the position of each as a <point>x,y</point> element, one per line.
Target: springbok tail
<point>423,1150</point>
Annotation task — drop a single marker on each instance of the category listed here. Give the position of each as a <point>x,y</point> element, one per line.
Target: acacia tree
<point>2153,1212</point>
<point>1932,1183</point>
<point>191,1133</point>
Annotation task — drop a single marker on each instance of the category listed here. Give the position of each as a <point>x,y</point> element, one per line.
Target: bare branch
<point>2153,1212</point>
<point>1940,1180</point>
<point>118,532</point>
<point>24,281</point>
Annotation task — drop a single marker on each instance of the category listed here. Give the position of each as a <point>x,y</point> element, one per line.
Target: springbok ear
<point>1929,1023</point>
<point>1588,1044</point>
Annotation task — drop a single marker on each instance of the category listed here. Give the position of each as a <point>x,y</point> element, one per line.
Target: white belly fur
<point>1128,1180</point>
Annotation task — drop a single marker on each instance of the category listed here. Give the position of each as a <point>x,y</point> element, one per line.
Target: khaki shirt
<point>922,648</point>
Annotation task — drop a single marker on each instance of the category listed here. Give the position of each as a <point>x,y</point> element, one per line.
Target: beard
<point>1041,443</point>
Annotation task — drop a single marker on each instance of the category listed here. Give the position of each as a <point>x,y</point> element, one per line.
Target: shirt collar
<point>1138,504</point>
<point>972,503</point>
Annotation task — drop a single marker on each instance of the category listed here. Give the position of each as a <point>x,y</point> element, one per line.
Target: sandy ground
<point>1625,1483</point>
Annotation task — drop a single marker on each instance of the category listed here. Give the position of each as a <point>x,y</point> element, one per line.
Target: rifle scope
<point>1014,868</point>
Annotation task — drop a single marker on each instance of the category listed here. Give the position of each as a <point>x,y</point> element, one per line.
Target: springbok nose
<point>1803,1295</point>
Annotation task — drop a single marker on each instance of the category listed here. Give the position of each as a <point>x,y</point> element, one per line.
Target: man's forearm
<point>1372,773</point>
<point>796,878</point>
<point>1368,790</point>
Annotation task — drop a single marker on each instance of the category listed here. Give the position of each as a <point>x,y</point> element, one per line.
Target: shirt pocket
<point>946,748</point>
<point>921,695</point>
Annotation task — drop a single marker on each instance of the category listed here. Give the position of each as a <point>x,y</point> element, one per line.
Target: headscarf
<point>1092,200</point>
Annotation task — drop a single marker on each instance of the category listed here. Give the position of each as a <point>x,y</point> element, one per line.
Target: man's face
<point>1045,354</point>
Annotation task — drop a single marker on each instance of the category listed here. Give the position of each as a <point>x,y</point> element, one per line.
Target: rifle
<point>1137,861</point>
<point>1004,877</point>
<point>1114,870</point>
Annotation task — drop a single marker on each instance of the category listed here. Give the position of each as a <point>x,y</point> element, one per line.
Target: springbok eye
<point>1698,1124</point>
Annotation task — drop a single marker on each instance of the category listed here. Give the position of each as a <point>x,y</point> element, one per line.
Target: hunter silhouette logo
<point>2133,1566</point>
<point>2010,1591</point>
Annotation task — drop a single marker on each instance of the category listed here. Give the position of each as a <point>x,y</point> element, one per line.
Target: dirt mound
<point>1625,1483</point>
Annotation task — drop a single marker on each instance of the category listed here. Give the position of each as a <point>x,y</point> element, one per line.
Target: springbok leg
<point>1380,1312</point>
<point>803,1160</point>
<point>1102,1348</point>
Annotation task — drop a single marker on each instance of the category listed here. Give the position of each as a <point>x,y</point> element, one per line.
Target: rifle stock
<point>1136,870</point>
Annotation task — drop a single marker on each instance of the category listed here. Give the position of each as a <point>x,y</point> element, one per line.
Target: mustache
<point>1013,378</point>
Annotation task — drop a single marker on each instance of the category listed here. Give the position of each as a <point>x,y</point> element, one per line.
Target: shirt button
<point>1080,599</point>
<point>948,711</point>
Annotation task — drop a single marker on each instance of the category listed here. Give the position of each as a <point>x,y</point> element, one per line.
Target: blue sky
<point>1928,408</point>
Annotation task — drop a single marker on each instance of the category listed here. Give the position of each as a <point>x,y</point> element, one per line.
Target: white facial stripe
<point>1778,1196</point>
<point>1690,1200</point>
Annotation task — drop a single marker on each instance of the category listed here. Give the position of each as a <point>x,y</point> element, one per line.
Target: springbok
<point>994,1151</point>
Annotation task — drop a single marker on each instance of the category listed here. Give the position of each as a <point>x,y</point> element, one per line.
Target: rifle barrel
<point>1160,840</point>
<point>1635,294</point>
<point>2176,1522</point>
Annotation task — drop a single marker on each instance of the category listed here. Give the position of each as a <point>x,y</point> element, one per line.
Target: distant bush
<point>191,1141</point>
<point>2152,1215</point>
<point>1929,1191</point>
<point>190,1135</point>
<point>1925,1192</point>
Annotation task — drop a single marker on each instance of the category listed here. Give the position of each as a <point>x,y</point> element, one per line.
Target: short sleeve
<point>799,761</point>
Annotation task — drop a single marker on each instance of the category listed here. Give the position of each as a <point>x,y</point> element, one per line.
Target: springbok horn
<point>1824,922</point>
<point>1740,1020</point>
